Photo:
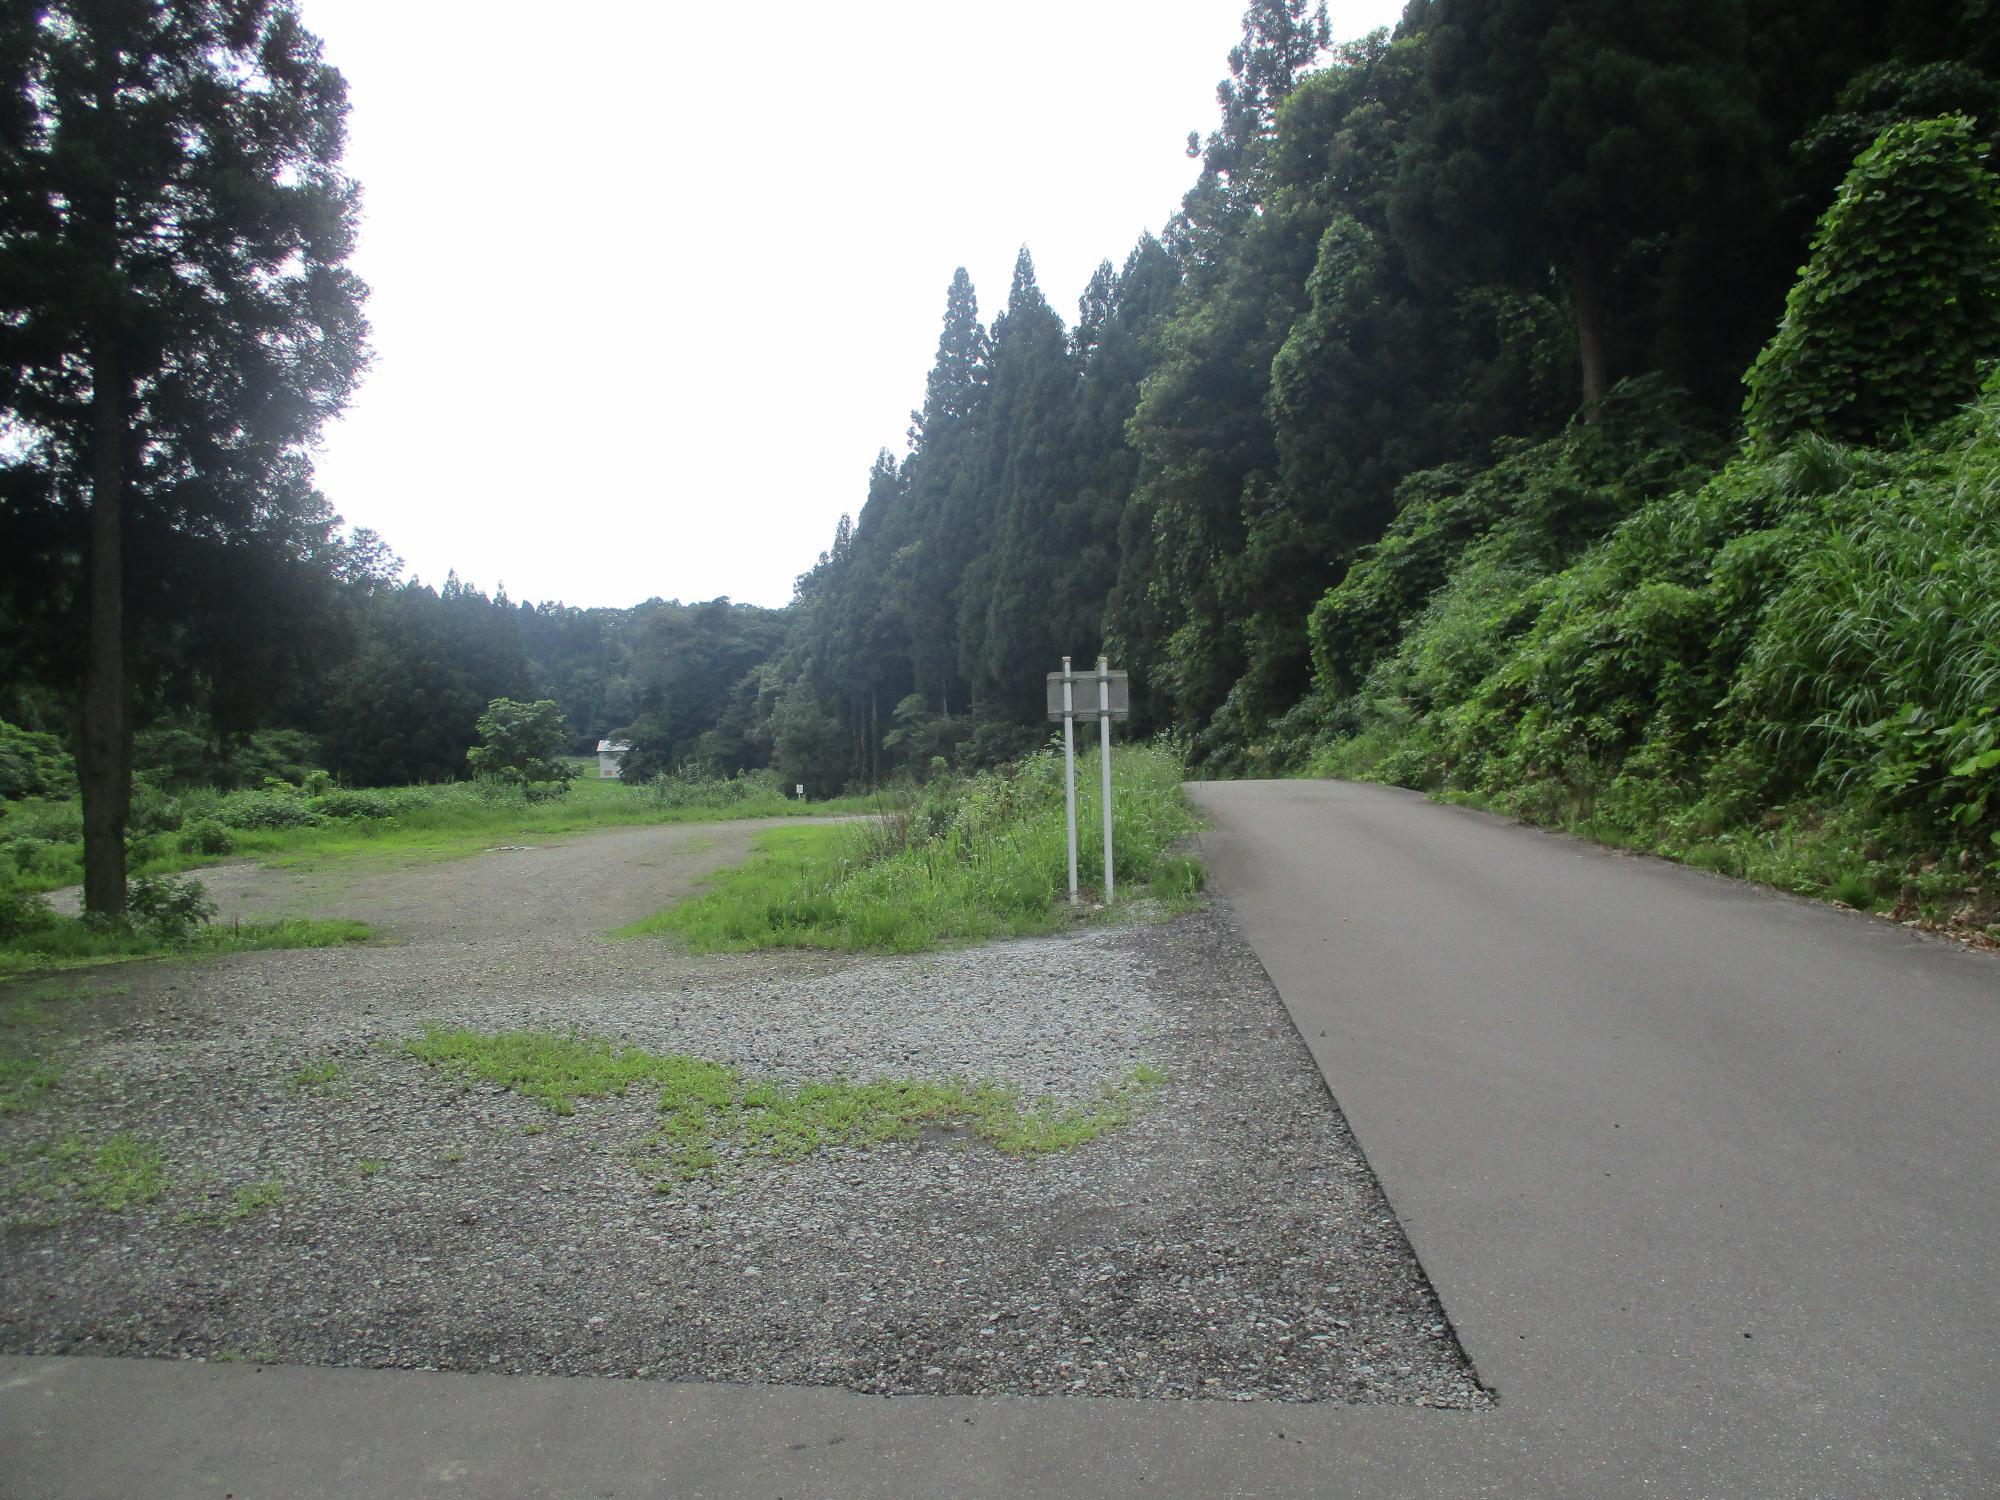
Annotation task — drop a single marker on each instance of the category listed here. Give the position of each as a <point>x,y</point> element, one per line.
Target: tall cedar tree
<point>1583,136</point>
<point>1013,621</point>
<point>175,319</point>
<point>941,482</point>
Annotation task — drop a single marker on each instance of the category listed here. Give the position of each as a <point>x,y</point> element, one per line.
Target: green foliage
<point>708,1108</point>
<point>1791,672</point>
<point>40,842</point>
<point>207,837</point>
<point>1537,505</point>
<point>521,744</point>
<point>171,911</point>
<point>319,1075</point>
<point>184,751</point>
<point>1900,303</point>
<point>33,765</point>
<point>974,859</point>
<point>404,707</point>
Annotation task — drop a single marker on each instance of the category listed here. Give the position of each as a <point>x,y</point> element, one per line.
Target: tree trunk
<point>104,749</point>
<point>1593,339</point>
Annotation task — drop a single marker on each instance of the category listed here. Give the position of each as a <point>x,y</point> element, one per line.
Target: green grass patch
<point>317,1076</point>
<point>41,846</point>
<point>249,1201</point>
<point>975,859</point>
<point>709,1110</point>
<point>69,942</point>
<point>31,1021</point>
<point>113,1174</point>
<point>255,1198</point>
<point>27,1082</point>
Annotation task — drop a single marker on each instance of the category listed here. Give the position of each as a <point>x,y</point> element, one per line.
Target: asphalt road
<point>1704,1176</point>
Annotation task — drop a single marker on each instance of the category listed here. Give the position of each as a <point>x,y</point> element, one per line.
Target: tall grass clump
<point>974,859</point>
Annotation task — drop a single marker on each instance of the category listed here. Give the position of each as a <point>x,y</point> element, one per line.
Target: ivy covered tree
<point>1900,303</point>
<point>176,323</point>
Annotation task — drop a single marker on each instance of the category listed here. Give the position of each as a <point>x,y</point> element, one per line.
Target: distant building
<point>609,754</point>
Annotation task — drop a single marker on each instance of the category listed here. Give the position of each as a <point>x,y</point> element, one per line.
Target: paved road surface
<point>1705,1178</point>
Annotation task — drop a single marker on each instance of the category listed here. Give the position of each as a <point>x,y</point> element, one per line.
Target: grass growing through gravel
<point>112,1174</point>
<point>318,1075</point>
<point>708,1107</point>
<point>32,1018</point>
<point>973,860</point>
<point>249,1201</point>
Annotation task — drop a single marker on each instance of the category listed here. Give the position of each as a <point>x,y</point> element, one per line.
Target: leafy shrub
<point>172,910</point>
<point>522,743</point>
<point>1900,301</point>
<point>266,809</point>
<point>33,765</point>
<point>1539,506</point>
<point>49,822</point>
<point>22,912</point>
<point>1792,672</point>
<point>344,802</point>
<point>152,811</point>
<point>206,837</point>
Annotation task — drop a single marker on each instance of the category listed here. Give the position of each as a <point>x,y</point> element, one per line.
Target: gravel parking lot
<point>1228,1241</point>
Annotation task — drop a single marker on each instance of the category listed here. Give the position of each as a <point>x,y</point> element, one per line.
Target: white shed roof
<point>613,747</point>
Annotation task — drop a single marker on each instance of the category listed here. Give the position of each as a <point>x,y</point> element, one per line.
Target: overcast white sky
<point>652,282</point>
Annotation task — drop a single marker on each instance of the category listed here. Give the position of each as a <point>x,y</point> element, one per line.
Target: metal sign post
<point>1104,759</point>
<point>1114,701</point>
<point>1069,768</point>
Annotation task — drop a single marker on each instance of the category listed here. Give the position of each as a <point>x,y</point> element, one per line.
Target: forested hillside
<point>1415,442</point>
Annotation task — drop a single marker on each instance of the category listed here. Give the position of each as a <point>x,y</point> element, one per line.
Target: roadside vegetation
<point>711,1113</point>
<point>1780,661</point>
<point>41,840</point>
<point>164,918</point>
<point>975,858</point>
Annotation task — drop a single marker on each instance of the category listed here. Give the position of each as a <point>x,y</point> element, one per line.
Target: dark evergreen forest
<point>1508,228</point>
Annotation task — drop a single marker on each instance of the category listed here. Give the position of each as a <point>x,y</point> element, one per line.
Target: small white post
<point>1069,769</point>
<point>1104,755</point>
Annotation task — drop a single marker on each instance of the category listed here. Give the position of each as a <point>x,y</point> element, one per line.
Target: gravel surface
<point>1229,1241</point>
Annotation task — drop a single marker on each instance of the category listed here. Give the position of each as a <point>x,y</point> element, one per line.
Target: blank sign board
<point>1084,685</point>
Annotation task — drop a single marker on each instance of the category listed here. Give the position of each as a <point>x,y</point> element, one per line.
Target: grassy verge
<point>41,842</point>
<point>709,1110</point>
<point>974,860</point>
<point>68,942</point>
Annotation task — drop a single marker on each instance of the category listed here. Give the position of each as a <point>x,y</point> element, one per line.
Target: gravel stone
<point>1229,1242</point>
